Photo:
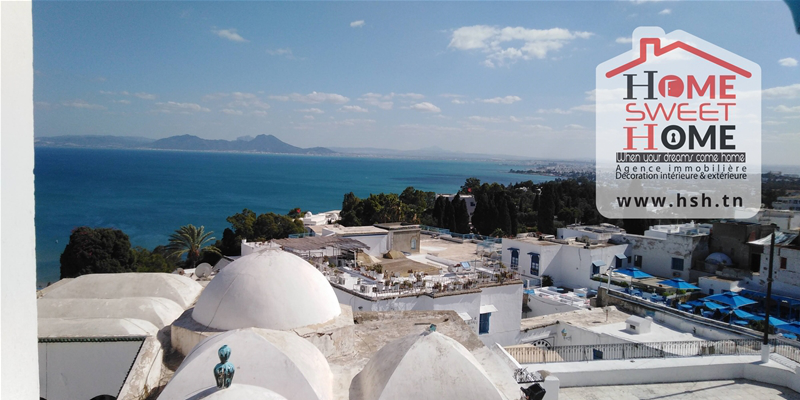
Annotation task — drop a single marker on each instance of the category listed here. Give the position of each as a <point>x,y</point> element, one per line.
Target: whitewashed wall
<point>503,324</point>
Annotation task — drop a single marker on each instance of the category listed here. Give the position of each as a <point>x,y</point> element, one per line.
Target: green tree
<point>461,215</point>
<point>273,226</point>
<point>547,210</point>
<point>189,240</point>
<point>157,260</point>
<point>92,251</point>
<point>242,223</point>
<point>470,186</point>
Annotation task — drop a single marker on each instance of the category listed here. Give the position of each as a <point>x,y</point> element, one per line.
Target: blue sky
<point>505,78</point>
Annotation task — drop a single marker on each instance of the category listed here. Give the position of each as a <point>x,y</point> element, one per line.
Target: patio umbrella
<point>712,306</point>
<point>634,273</point>
<point>772,321</point>
<point>678,283</point>
<point>743,314</point>
<point>730,299</point>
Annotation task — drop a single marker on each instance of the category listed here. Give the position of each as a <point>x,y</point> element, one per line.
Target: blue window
<point>534,264</point>
<point>595,269</point>
<point>484,323</point>
<point>413,243</point>
<point>514,259</point>
<point>677,264</point>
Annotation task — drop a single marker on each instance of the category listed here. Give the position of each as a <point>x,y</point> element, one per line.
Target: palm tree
<point>190,240</point>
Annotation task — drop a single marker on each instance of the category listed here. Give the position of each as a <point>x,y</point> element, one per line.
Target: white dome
<point>239,392</point>
<point>422,367</point>
<point>156,310</point>
<point>270,289</point>
<point>279,361</point>
<point>180,289</point>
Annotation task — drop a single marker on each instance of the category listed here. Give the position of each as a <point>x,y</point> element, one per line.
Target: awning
<point>488,309</point>
<point>534,337</point>
<point>621,256</point>
<point>598,263</point>
<point>464,316</point>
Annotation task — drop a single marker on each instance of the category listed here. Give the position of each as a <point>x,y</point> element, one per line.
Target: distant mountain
<point>258,144</point>
<point>98,141</point>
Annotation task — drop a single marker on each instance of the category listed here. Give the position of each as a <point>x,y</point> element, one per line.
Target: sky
<point>513,78</point>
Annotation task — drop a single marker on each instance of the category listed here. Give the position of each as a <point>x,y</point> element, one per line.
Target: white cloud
<point>414,96</point>
<point>311,110</point>
<point>531,43</point>
<point>239,100</point>
<point>493,120</point>
<point>584,107</point>
<point>377,100</point>
<point>786,109</point>
<point>788,62</point>
<point>503,100</point>
<point>538,127</point>
<point>553,111</point>
<point>82,104</point>
<point>287,52</point>
<point>353,109</point>
<point>624,40</point>
<point>231,112</point>
<point>145,96</point>
<point>782,92</point>
<point>229,34</point>
<point>122,101</point>
<point>313,98</point>
<point>426,107</point>
<point>308,117</point>
<point>665,11</point>
<point>357,24</point>
<point>183,108</point>
<point>591,95</point>
<point>574,126</point>
<point>457,101</point>
<point>354,122</point>
<point>141,95</point>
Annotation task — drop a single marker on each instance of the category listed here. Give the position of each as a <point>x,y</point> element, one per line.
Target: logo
<point>678,130</point>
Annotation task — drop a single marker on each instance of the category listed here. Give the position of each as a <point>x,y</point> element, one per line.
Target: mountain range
<point>258,144</point>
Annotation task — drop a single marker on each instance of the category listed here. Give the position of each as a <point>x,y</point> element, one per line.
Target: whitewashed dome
<point>281,362</point>
<point>428,366</point>
<point>239,392</point>
<point>270,289</point>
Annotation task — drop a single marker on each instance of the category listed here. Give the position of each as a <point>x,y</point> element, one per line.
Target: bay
<point>149,194</point>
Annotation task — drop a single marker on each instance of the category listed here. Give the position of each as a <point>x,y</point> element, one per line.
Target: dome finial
<point>223,372</point>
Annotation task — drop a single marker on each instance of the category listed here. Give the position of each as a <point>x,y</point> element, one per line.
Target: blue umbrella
<point>678,283</point>
<point>634,273</point>
<point>772,321</point>
<point>730,299</point>
<point>743,314</point>
<point>712,306</point>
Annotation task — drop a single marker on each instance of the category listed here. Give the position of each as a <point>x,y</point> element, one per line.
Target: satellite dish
<point>203,270</point>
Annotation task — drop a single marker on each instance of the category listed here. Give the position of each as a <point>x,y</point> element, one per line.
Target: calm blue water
<point>149,194</point>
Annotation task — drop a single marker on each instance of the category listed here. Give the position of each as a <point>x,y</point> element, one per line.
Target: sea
<point>149,194</point>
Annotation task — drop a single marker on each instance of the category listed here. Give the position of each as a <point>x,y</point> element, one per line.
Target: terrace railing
<point>629,351</point>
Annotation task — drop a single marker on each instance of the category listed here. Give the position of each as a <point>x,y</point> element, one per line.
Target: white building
<point>324,218</point>
<point>99,334</point>
<point>787,203</point>
<point>600,232</point>
<point>570,263</point>
<point>468,198</point>
<point>667,251</point>
<point>785,268</point>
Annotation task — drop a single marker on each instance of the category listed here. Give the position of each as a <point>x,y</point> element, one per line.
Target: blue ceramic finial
<point>223,372</point>
<point>432,328</point>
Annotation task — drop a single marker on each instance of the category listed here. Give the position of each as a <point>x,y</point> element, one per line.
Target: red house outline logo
<point>659,51</point>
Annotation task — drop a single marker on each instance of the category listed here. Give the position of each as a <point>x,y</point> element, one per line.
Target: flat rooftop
<point>355,230</point>
<point>581,318</point>
<point>450,250</point>
<point>726,389</point>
